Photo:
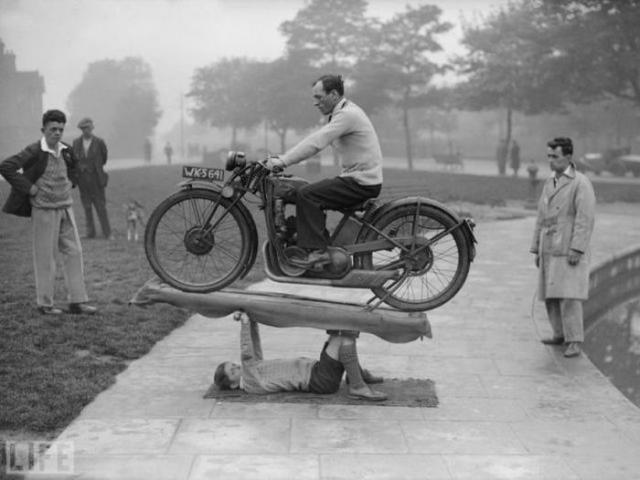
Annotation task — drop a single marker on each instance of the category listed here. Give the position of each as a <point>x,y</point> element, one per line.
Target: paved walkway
<point>510,407</point>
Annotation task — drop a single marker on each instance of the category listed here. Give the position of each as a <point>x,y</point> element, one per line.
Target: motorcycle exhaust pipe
<point>356,278</point>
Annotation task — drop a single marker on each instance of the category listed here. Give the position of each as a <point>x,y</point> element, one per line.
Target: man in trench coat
<point>561,241</point>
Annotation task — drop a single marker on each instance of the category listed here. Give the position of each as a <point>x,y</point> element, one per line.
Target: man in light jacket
<point>561,239</point>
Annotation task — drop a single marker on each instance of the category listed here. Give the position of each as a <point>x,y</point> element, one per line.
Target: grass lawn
<point>50,368</point>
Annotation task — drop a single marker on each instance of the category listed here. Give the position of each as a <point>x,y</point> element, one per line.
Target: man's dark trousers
<point>92,195</point>
<point>331,193</point>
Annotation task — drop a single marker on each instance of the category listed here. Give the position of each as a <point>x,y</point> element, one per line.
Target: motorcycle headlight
<point>235,160</point>
<point>227,191</point>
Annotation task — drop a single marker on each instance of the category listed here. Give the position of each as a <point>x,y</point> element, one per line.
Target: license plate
<point>202,173</point>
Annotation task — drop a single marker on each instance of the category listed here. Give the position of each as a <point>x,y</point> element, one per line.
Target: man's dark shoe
<point>82,308</point>
<point>573,350</point>
<point>553,341</point>
<point>369,378</point>
<point>50,310</point>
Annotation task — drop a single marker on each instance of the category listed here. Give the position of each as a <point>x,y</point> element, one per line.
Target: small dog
<point>135,219</point>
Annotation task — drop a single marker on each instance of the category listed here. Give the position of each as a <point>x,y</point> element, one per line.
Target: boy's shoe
<point>365,393</point>
<point>82,308</point>
<point>49,310</point>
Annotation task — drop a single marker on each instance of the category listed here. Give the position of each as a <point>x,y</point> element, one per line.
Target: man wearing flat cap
<point>91,152</point>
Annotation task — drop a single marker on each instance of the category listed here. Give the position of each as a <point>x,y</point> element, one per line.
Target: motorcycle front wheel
<point>435,259</point>
<point>192,253</point>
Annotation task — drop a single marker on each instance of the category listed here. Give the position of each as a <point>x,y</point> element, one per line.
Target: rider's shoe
<point>315,258</point>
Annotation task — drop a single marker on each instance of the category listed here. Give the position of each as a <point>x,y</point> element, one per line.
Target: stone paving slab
<point>510,408</point>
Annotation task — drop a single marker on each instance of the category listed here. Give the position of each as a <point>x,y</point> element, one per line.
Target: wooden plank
<point>282,311</point>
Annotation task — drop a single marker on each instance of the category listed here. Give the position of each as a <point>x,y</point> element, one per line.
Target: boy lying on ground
<point>260,376</point>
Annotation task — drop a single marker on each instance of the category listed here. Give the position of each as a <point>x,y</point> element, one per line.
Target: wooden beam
<point>283,310</point>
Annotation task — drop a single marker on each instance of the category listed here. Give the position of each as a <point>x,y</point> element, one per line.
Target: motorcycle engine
<point>340,261</point>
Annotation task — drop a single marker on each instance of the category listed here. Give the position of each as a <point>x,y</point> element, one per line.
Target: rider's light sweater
<point>269,376</point>
<point>354,139</point>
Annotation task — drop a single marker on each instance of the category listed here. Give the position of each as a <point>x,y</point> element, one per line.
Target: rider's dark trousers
<point>333,194</point>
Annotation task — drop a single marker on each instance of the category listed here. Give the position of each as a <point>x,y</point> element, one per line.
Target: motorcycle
<point>413,253</point>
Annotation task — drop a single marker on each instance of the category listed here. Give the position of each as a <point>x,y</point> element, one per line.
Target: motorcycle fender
<point>466,224</point>
<point>189,184</point>
<point>401,202</point>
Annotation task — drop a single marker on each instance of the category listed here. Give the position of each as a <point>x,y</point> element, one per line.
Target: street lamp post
<point>182,126</point>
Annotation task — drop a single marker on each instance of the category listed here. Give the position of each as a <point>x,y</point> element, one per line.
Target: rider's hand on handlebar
<point>274,164</point>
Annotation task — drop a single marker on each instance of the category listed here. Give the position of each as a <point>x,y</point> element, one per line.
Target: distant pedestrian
<point>91,152</point>
<point>168,151</point>
<point>501,156</point>
<point>41,178</point>
<point>147,150</point>
<point>515,158</point>
<point>561,240</point>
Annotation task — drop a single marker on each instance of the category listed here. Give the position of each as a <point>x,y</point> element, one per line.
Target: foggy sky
<point>59,38</point>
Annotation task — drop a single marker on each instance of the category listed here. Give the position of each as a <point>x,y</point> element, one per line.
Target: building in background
<point>20,104</point>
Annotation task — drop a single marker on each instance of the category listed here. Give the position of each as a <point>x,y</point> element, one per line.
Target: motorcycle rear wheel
<point>434,274</point>
<point>185,254</point>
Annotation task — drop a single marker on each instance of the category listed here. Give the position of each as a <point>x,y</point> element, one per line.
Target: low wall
<point>612,282</point>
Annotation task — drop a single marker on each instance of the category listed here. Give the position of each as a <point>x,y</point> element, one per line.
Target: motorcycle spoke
<point>429,256</point>
<point>224,250</point>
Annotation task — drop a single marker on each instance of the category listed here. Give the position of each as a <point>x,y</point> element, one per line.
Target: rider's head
<point>227,376</point>
<point>327,91</point>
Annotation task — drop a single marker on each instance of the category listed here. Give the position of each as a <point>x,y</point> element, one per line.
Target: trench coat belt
<point>549,222</point>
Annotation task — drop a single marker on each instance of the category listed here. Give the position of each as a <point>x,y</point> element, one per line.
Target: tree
<point>510,65</point>
<point>121,97</point>
<point>285,92</point>
<point>227,94</point>
<point>403,58</point>
<point>597,47</point>
<point>328,33</point>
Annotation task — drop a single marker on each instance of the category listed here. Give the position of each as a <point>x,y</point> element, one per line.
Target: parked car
<point>631,163</point>
<point>608,161</point>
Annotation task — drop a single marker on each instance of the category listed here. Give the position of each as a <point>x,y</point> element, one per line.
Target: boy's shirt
<point>270,376</point>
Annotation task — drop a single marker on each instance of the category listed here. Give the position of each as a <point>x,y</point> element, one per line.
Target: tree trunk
<point>502,162</point>
<point>234,136</point>
<point>509,125</point>
<point>283,139</point>
<point>407,133</point>
<point>432,142</point>
<point>266,135</point>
